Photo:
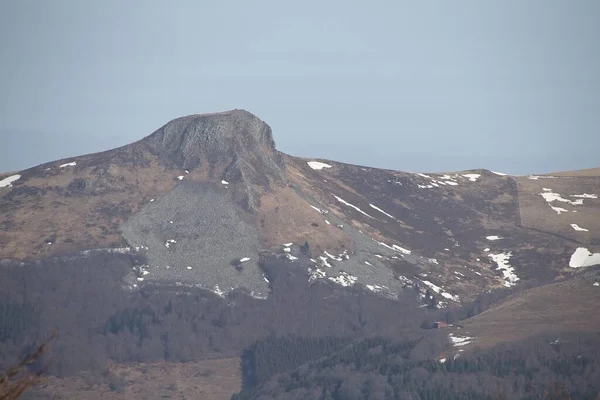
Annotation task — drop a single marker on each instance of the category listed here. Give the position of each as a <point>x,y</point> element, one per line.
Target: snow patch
<point>344,279</point>
<point>460,340</point>
<point>582,257</point>
<point>559,210</point>
<point>7,182</point>
<point>551,196</point>
<point>71,164</point>
<point>217,290</point>
<point>368,263</point>
<point>472,177</point>
<point>586,196</point>
<point>169,242</point>
<point>578,228</point>
<point>224,182</point>
<point>440,291</point>
<point>596,283</point>
<point>498,173</point>
<point>314,274</point>
<point>381,211</point>
<point>244,259</point>
<point>318,165</point>
<point>424,176</point>
<point>351,205</point>
<point>493,237</point>
<point>501,261</point>
<point>180,177</point>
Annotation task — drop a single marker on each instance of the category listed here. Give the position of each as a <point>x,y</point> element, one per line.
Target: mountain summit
<point>214,187</point>
<point>236,141</point>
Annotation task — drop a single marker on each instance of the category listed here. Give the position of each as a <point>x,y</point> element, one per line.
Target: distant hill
<point>205,216</point>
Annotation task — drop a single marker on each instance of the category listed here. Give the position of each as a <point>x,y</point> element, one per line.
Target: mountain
<point>207,204</point>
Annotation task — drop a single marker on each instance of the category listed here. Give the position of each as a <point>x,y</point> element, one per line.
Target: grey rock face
<point>236,140</point>
<point>195,235</point>
<point>235,146</point>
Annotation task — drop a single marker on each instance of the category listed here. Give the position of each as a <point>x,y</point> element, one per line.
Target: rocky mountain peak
<point>235,146</point>
<point>217,138</point>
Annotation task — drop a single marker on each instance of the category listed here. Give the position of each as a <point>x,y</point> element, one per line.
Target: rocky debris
<point>208,234</point>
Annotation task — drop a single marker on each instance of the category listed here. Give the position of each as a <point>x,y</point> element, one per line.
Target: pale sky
<point>507,85</point>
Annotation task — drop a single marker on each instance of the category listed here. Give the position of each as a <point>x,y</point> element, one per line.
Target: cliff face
<point>235,146</point>
<point>236,139</point>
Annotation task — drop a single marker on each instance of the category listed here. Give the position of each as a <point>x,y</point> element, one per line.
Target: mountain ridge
<point>404,224</point>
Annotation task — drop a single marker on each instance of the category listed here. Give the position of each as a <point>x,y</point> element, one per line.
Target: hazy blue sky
<point>509,85</point>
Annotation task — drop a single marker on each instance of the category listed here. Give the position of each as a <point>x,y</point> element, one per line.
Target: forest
<point>384,368</point>
<point>313,336</point>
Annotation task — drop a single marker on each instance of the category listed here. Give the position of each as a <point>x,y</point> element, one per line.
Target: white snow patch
<point>314,274</point>
<point>546,190</point>
<point>169,242</point>
<point>376,288</point>
<point>244,259</point>
<point>586,196</point>
<point>287,244</point>
<point>287,249</point>
<point>180,177</point>
<point>501,261</point>
<point>451,183</point>
<point>265,278</point>
<point>559,209</point>
<point>291,257</point>
<point>486,249</point>
<point>7,182</point>
<point>460,340</point>
<point>442,360</point>
<point>578,228</point>
<point>472,177</point>
<point>534,177</point>
<point>188,267</point>
<point>71,164</point>
<point>224,182</point>
<point>327,222</point>
<point>187,172</point>
<point>381,211</point>
<point>317,209</point>
<point>151,200</point>
<point>498,173</point>
<point>596,283</point>
<point>217,290</point>
<point>325,262</point>
<point>318,165</point>
<point>401,249</point>
<point>551,196</point>
<point>493,237</point>
<point>424,176</point>
<point>368,263</point>
<point>344,279</point>
<point>351,205</point>
<point>440,291</point>
<point>582,257</point>
<point>332,256</point>
<point>433,261</point>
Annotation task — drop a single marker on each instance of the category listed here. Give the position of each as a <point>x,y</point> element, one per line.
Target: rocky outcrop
<point>235,146</point>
